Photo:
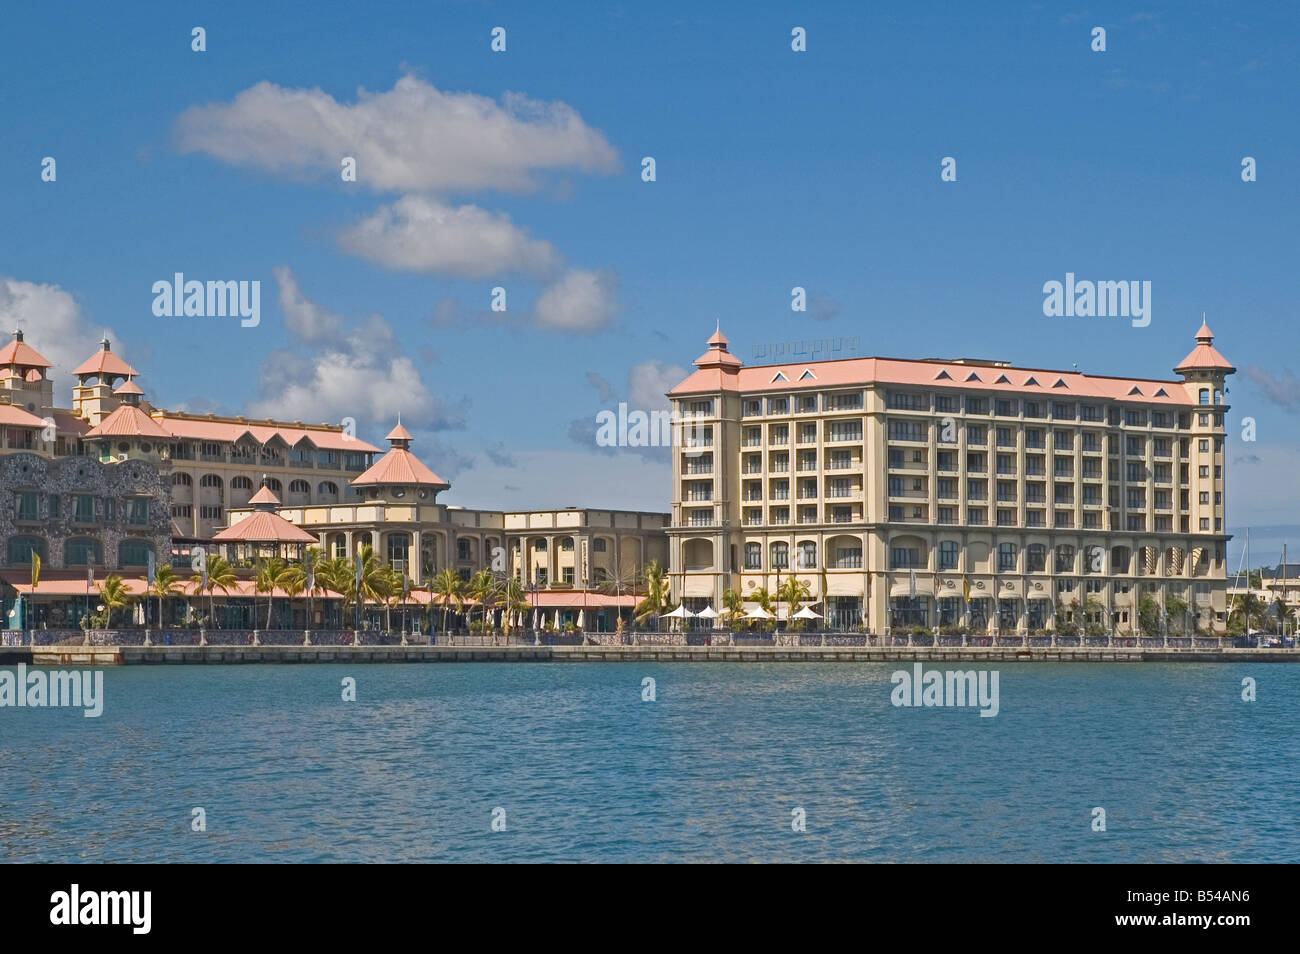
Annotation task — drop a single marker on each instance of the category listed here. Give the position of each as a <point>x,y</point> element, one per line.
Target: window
<point>84,508</point>
<point>898,401</point>
<point>462,549</point>
<point>780,555</point>
<point>299,487</point>
<point>948,555</point>
<point>848,558</point>
<point>137,511</point>
<point>753,556</point>
<point>901,431</point>
<point>1006,557</point>
<point>26,504</point>
<point>212,480</point>
<point>807,554</point>
<point>1204,396</point>
<point>81,551</point>
<point>904,558</point>
<point>133,553</point>
<point>1065,558</point>
<point>56,507</point>
<point>21,549</point>
<point>1036,558</point>
<point>598,545</point>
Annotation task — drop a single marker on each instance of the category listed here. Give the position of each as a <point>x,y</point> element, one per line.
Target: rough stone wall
<point>67,477</point>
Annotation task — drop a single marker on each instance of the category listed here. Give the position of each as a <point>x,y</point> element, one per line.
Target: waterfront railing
<point>741,639</point>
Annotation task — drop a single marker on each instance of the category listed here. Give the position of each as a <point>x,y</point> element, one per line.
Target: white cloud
<point>649,382</point>
<point>53,324</point>
<point>413,137</point>
<point>421,234</point>
<point>305,320</point>
<point>581,300</point>
<point>361,374</point>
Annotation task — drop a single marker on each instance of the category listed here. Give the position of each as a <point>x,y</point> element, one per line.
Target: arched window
<point>780,555</point>
<point>299,487</point>
<point>81,551</point>
<point>1204,395</point>
<point>753,556</point>
<point>240,483</point>
<point>212,480</point>
<point>807,554</point>
<point>22,548</point>
<point>1065,558</point>
<point>327,488</point>
<point>276,487</point>
<point>1120,558</point>
<point>133,553</point>
<point>1035,558</point>
<point>182,480</point>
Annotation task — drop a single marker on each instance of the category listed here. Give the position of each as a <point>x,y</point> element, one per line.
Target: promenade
<point>373,647</point>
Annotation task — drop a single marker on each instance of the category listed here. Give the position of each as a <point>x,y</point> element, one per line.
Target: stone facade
<point>73,508</point>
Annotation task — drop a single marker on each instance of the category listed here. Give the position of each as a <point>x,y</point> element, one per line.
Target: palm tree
<point>165,583</point>
<point>514,602</point>
<point>792,592</point>
<point>221,576</point>
<point>115,596</point>
<point>271,574</point>
<point>655,584</point>
<point>482,589</point>
<point>764,599</point>
<point>447,586</point>
<point>733,606</point>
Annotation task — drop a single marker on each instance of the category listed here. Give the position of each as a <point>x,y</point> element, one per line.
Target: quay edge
<point>245,655</point>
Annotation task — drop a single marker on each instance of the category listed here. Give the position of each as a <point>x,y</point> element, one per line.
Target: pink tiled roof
<point>128,421</point>
<point>128,387</point>
<point>224,429</point>
<point>22,354</point>
<point>264,527</point>
<point>863,371</point>
<point>12,416</point>
<point>1205,356</point>
<point>69,423</point>
<point>400,466</point>
<point>104,361</point>
<point>265,496</point>
<point>398,433</point>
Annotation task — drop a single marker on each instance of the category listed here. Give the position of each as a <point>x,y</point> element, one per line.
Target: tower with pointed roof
<point>1204,372</point>
<point>24,377</point>
<point>99,378</point>
<point>399,474</point>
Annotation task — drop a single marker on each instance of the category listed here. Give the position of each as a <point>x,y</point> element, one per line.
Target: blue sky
<point>775,169</point>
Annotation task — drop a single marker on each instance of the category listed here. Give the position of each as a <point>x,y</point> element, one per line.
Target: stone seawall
<point>246,655</point>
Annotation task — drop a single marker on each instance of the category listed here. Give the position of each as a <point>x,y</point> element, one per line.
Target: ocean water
<point>584,770</point>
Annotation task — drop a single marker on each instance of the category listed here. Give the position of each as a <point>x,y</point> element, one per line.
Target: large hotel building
<point>961,493</point>
<point>113,480</point>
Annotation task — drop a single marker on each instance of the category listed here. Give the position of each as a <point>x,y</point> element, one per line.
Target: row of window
<point>78,551</point>
<point>82,508</point>
<point>212,450</point>
<point>1066,558</point>
<point>325,488</point>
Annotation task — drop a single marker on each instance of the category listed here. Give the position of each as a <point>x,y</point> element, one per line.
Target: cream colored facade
<point>951,493</point>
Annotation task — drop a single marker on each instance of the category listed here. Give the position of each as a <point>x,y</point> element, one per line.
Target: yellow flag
<point>965,589</point>
<point>36,569</point>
